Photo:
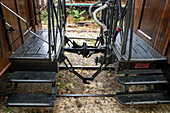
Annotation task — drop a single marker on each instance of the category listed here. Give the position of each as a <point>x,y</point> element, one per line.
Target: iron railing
<point>58,13</point>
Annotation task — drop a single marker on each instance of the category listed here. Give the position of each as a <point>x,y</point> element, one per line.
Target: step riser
<point>34,65</point>
<point>152,68</point>
<point>33,77</point>
<point>31,100</point>
<point>143,98</point>
<point>142,80</point>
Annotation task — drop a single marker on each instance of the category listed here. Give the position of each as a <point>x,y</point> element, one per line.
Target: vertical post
<point>126,86</point>
<point>54,36</point>
<point>39,22</point>
<point>64,8</point>
<point>49,28</point>
<point>131,31</point>
<point>20,23</point>
<point>35,12</point>
<point>127,25</point>
<point>5,29</point>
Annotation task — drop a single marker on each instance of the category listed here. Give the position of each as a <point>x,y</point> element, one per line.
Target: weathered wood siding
<point>152,23</point>
<point>25,9</point>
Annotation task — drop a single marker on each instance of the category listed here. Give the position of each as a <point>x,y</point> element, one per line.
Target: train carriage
<point>134,36</point>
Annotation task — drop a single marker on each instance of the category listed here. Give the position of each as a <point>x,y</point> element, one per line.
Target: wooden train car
<point>12,39</point>
<point>34,56</point>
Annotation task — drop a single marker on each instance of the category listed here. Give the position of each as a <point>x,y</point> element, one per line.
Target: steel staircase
<point>31,64</point>
<point>32,99</point>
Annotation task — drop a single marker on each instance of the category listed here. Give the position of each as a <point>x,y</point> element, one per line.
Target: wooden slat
<point>154,25</point>
<point>36,45</point>
<point>27,45</point>
<point>140,49</point>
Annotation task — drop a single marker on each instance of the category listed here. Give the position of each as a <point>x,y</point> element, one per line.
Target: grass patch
<point>9,110</point>
<point>60,75</point>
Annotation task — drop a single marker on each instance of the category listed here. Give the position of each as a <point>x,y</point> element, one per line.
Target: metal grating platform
<point>141,71</point>
<point>142,79</point>
<point>31,100</point>
<point>143,97</point>
<point>33,77</point>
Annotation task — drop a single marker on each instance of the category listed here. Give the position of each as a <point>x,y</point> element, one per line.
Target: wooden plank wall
<point>152,23</point>
<point>25,9</point>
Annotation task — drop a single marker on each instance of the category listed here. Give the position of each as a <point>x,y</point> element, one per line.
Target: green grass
<point>60,75</point>
<point>9,110</point>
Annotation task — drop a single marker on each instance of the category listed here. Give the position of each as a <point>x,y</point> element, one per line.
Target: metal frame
<point>112,13</point>
<point>39,12</point>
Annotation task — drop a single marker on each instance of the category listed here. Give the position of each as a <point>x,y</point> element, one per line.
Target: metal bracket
<point>15,88</point>
<point>53,87</point>
<point>10,27</point>
<point>84,79</point>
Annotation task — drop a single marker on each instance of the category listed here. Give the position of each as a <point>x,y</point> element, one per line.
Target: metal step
<point>33,77</point>
<point>140,71</point>
<point>142,79</point>
<point>128,98</point>
<point>31,100</point>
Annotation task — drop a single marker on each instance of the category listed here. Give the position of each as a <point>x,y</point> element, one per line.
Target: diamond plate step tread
<point>33,77</point>
<point>128,98</point>
<point>31,100</point>
<point>142,79</point>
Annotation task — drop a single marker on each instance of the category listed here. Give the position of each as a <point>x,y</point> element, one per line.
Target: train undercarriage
<point>38,59</point>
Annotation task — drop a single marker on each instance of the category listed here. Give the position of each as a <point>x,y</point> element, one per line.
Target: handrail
<point>23,21</point>
<point>50,38</point>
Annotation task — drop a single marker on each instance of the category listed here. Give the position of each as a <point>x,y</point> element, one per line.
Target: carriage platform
<point>144,58</point>
<point>33,55</point>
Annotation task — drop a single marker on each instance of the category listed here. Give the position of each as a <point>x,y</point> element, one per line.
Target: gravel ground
<point>68,83</point>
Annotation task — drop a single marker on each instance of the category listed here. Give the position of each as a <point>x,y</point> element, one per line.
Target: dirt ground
<point>68,83</point>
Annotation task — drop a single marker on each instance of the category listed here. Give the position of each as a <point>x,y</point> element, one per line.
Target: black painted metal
<point>49,28</point>
<point>142,71</point>
<point>84,38</point>
<point>10,27</point>
<point>131,30</point>
<point>84,79</point>
<point>86,67</point>
<point>142,79</point>
<point>85,95</point>
<point>33,77</point>
<point>126,85</point>
<point>155,97</point>
<point>34,55</point>
<point>30,100</point>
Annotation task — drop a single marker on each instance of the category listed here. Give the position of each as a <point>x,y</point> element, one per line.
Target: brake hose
<point>95,16</point>
<point>90,8</point>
